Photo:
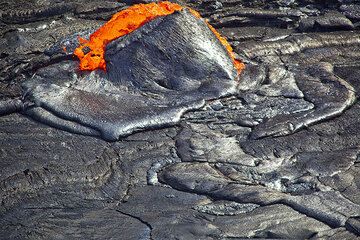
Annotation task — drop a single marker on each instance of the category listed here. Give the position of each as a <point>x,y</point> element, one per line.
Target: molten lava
<point>91,52</point>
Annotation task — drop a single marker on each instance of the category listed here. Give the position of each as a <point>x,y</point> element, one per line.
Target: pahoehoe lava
<point>170,65</point>
<point>277,156</point>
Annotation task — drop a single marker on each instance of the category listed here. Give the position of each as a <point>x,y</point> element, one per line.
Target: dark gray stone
<point>329,22</point>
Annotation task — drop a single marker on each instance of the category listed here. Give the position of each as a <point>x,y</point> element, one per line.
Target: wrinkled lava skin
<point>167,67</point>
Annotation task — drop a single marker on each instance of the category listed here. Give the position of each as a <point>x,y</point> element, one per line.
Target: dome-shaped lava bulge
<point>162,67</point>
<point>91,52</point>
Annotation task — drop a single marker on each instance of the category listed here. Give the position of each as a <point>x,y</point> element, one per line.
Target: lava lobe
<point>154,74</point>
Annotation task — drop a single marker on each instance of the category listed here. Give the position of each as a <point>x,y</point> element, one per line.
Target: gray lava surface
<point>169,143</point>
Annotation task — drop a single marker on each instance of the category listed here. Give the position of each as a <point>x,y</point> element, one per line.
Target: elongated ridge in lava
<point>91,52</point>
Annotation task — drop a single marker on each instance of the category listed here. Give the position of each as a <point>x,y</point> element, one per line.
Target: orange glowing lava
<point>91,52</point>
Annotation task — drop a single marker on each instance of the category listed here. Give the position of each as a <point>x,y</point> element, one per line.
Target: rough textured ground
<point>279,158</point>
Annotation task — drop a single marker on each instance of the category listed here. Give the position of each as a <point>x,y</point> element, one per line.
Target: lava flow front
<point>91,52</point>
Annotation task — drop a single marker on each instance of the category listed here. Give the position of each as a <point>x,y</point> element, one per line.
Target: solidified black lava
<point>155,74</point>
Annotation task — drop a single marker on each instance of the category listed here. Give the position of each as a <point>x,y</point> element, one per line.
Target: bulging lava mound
<point>91,52</point>
<point>169,65</point>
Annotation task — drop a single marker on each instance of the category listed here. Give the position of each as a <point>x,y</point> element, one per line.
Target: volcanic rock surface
<point>273,155</point>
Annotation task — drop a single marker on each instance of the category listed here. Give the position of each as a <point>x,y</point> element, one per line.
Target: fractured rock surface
<point>274,156</point>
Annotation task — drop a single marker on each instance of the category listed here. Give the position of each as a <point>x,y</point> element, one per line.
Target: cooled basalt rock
<point>169,66</point>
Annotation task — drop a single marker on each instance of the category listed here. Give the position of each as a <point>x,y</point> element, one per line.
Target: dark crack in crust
<point>278,158</point>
